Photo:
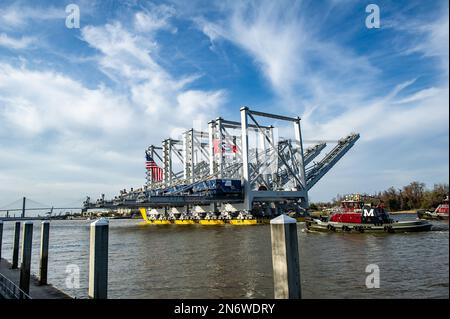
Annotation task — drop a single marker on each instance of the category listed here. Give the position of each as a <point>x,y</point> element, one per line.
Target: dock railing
<point>10,290</point>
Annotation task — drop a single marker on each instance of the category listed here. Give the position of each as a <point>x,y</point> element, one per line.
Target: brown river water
<point>195,261</point>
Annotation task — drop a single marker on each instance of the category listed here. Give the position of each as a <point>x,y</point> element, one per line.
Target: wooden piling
<point>98,259</point>
<point>25,265</point>
<point>23,207</point>
<point>43,259</point>
<point>285,258</point>
<point>15,259</point>
<point>1,237</point>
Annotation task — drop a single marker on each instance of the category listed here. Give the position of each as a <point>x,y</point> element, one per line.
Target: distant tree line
<point>409,197</point>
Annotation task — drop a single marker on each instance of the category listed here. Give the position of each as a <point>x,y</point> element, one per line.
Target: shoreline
<point>404,212</point>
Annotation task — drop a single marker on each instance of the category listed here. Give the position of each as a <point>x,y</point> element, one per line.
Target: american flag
<point>150,165</point>
<point>226,147</point>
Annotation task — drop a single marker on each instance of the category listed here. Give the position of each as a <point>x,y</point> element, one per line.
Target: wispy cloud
<point>129,59</point>
<point>91,132</point>
<point>434,40</point>
<point>20,15</point>
<point>288,49</point>
<point>154,18</point>
<point>51,101</point>
<point>15,43</point>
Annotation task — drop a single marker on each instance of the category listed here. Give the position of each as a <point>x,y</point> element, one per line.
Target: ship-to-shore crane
<point>236,172</point>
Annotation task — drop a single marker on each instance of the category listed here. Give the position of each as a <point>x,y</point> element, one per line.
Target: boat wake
<point>441,228</point>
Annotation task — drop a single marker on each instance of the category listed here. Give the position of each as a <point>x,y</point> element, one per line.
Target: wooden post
<point>1,237</point>
<point>15,260</point>
<point>98,259</point>
<point>43,259</point>
<point>25,266</point>
<point>23,207</point>
<point>285,258</point>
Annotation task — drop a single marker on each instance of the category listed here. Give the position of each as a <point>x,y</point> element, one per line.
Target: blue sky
<point>79,106</point>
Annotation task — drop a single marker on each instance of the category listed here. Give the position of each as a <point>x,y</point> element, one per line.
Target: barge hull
<point>232,221</point>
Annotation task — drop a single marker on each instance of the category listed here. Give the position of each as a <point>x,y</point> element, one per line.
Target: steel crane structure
<point>236,172</point>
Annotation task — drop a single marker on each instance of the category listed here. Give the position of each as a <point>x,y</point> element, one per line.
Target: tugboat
<point>441,212</point>
<point>355,215</point>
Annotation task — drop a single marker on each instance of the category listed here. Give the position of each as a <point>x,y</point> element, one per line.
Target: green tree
<point>391,199</point>
<point>413,194</point>
<point>434,197</point>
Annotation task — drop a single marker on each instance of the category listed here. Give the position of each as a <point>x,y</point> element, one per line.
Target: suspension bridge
<point>24,205</point>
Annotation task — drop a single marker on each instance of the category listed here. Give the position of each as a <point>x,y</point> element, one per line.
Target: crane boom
<point>316,172</point>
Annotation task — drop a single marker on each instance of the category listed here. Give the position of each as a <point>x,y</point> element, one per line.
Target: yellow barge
<point>233,221</point>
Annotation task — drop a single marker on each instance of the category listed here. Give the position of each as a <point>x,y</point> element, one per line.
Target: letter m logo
<point>368,213</point>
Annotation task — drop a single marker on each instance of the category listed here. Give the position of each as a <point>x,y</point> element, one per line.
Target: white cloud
<point>123,53</point>
<point>58,133</point>
<point>287,47</point>
<point>53,101</point>
<point>155,18</point>
<point>428,37</point>
<point>437,38</point>
<point>384,119</point>
<point>15,43</point>
<point>436,43</point>
<point>68,139</point>
<point>130,58</point>
<point>18,16</point>
<point>421,95</point>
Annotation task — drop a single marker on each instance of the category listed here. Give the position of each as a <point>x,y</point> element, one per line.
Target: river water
<point>195,261</point>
